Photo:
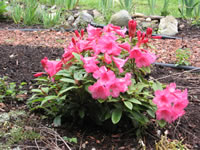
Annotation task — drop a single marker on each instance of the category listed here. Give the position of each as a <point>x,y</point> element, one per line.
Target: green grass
<point>141,6</point>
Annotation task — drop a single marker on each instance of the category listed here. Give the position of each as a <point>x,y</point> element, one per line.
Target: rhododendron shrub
<point>101,76</point>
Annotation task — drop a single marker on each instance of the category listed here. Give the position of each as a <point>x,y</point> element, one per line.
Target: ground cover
<point>21,53</point>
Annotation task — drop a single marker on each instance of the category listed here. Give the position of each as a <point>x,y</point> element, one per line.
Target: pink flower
<point>135,53</point>
<point>170,103</point>
<point>115,88</point>
<point>90,64</point>
<point>105,76</point>
<point>111,28</point>
<point>107,58</point>
<point>67,56</point>
<point>51,67</point>
<point>119,63</point>
<point>145,60</point>
<point>125,82</point>
<point>125,46</point>
<point>93,33</point>
<point>164,113</point>
<point>109,46</point>
<point>162,98</point>
<point>39,74</point>
<point>99,91</point>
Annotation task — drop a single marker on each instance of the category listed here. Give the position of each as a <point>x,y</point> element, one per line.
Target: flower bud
<point>132,28</point>
<point>148,32</point>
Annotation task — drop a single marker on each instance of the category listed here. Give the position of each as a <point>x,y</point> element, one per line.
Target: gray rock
<point>168,26</point>
<point>120,18</point>
<point>139,15</point>
<point>83,20</point>
<point>70,19</point>
<point>96,13</point>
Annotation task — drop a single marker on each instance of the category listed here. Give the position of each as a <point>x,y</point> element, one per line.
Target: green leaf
<point>128,104</point>
<point>80,75</point>
<point>161,123</point>
<point>67,89</point>
<point>64,73</point>
<point>151,113</point>
<point>68,80</point>
<point>157,86</point>
<point>140,117</point>
<point>77,56</point>
<point>36,91</point>
<point>113,100</point>
<point>135,101</point>
<point>57,121</point>
<point>47,98</point>
<point>116,115</point>
<point>81,113</point>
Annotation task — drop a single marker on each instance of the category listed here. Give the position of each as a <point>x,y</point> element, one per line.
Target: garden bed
<point>21,53</point>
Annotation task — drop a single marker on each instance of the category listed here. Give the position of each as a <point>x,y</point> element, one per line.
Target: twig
<point>176,127</point>
<point>58,137</point>
<point>37,144</point>
<point>187,71</point>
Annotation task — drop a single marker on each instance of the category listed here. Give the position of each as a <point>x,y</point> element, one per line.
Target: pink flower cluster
<point>170,103</point>
<point>105,57</point>
<point>107,84</point>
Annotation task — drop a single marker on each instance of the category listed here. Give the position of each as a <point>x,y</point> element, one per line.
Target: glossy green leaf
<point>157,86</point>
<point>77,56</point>
<point>151,113</point>
<point>67,89</point>
<point>57,121</point>
<point>161,123</point>
<point>128,104</point>
<point>116,115</point>
<point>135,101</point>
<point>47,98</point>
<point>67,80</point>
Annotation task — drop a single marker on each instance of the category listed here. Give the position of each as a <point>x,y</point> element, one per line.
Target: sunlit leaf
<point>116,115</point>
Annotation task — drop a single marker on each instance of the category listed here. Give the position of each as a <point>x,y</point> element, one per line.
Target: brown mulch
<point>21,53</point>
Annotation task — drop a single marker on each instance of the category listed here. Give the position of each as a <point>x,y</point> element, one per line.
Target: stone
<point>139,19</point>
<point>146,24</point>
<point>120,18</point>
<point>148,19</point>
<point>70,19</point>
<point>83,20</point>
<point>139,15</point>
<point>168,26</point>
<point>96,13</point>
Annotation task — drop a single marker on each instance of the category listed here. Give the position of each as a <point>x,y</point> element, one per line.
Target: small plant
<point>71,140</point>
<point>187,8</point>
<point>17,13</point>
<point>67,4</point>
<point>51,19</point>
<point>127,5</point>
<point>165,11</point>
<point>152,5</point>
<point>90,80</point>
<point>167,144</point>
<point>10,91</point>
<point>29,15</point>
<point>182,57</point>
<point>106,8</point>
<point>2,8</point>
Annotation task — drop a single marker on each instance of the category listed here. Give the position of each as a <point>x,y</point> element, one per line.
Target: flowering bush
<point>101,76</point>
